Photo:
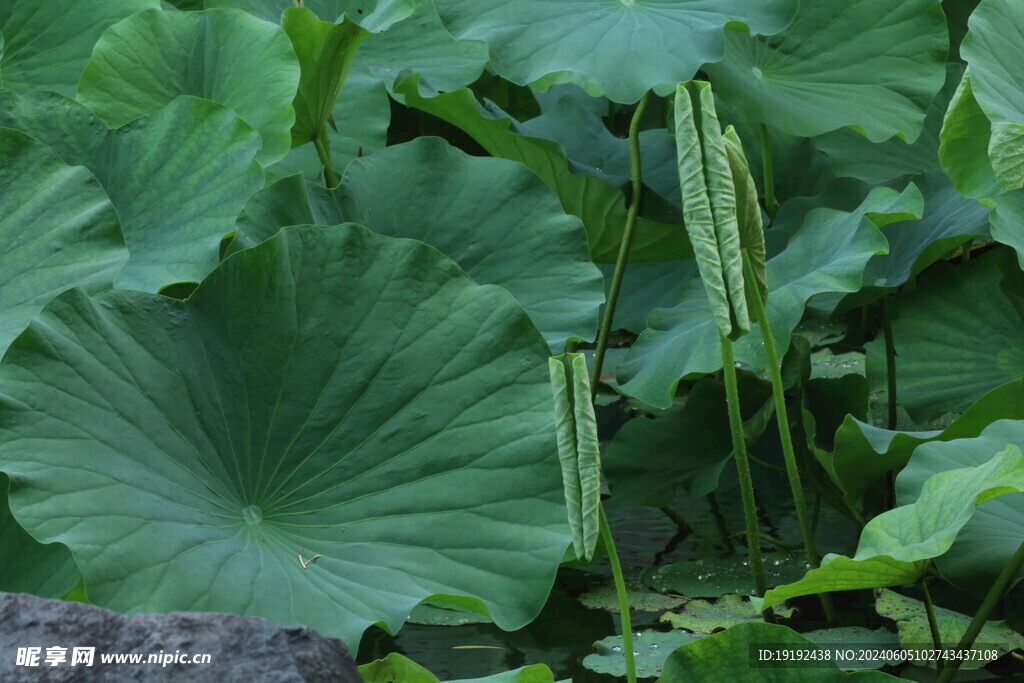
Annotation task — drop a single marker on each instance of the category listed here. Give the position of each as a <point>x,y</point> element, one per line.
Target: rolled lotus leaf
<point>748,211</point>
<point>709,205</point>
<point>326,51</point>
<point>578,449</point>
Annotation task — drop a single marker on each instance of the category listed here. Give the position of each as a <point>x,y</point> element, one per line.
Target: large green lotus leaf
<point>601,207</point>
<point>494,217</point>
<point>46,45</point>
<point>178,178</point>
<point>1008,221</point>
<point>646,286</point>
<point>727,656</point>
<point>362,115</point>
<point>58,228</point>
<point>987,542</point>
<point>578,449</point>
<point>330,394</point>
<point>853,155</point>
<point>827,254</point>
<point>863,452</point>
<point>229,56</point>
<point>895,546</point>
<point>373,15</point>
<point>948,220</point>
<point>957,336</point>
<point>619,49</point>
<point>28,566</point>
<point>415,40</point>
<point>864,63</point>
<point>912,623</point>
<point>993,47</point>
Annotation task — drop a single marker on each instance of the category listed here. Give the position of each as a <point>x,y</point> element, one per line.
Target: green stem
<point>769,174</point>
<point>933,624</point>
<point>739,446</point>
<point>636,176</point>
<point>620,590</point>
<point>995,593</point>
<point>782,419</point>
<point>890,365</point>
<point>323,150</point>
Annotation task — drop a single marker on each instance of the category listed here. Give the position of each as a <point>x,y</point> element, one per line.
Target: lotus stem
<point>782,419</point>
<point>995,593</point>
<point>636,176</point>
<point>890,365</point>
<point>620,591</point>
<point>323,150</point>
<point>933,624</point>
<point>769,174</point>
<point>739,449</point>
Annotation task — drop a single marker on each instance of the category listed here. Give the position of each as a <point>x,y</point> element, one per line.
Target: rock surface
<point>241,649</point>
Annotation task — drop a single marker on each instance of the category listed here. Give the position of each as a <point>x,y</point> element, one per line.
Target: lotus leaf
<point>271,448</point>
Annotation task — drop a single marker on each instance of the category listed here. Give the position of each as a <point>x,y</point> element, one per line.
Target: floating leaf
<point>895,545</point>
<point>495,218</point>
<point>641,599</point>
<point>713,577</point>
<point>856,638</point>
<point>308,438</point>
<point>915,634</point>
<point>864,63</point>
<point>620,49</point>
<point>650,650</point>
<point>46,45</point>
<point>142,63</point>
<point>703,616</point>
<point>709,206</point>
<point>726,656</point>
<point>178,178</point>
<point>578,450</point>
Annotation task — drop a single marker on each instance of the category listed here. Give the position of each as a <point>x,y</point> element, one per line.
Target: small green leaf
<point>709,205</point>
<point>715,576</point>
<point>326,51</point>
<point>578,449</point>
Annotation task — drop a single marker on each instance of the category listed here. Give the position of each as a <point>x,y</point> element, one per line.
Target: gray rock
<point>241,649</point>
